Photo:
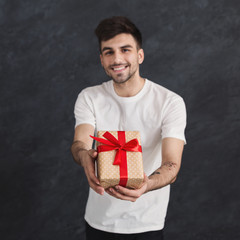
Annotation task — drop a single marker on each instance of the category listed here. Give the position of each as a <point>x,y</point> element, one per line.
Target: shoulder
<point>164,94</point>
<point>95,90</point>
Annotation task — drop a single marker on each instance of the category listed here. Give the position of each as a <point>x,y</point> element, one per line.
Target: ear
<point>140,56</point>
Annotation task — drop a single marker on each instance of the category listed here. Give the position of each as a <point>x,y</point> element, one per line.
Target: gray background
<point>49,53</point>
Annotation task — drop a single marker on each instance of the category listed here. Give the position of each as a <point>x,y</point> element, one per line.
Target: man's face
<point>120,57</point>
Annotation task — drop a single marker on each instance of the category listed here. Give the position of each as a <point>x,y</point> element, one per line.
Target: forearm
<point>163,176</point>
<point>172,149</point>
<point>76,149</point>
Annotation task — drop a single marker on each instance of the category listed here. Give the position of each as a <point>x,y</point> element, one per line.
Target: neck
<point>129,88</point>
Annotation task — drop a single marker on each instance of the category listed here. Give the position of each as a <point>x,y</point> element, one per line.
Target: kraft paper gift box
<point>126,168</point>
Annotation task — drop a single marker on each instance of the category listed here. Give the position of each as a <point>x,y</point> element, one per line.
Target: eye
<point>108,52</point>
<point>125,50</point>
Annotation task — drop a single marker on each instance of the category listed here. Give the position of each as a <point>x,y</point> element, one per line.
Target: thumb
<point>145,177</point>
<point>92,153</point>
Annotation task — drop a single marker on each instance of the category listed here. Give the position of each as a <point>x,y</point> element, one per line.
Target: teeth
<point>119,68</point>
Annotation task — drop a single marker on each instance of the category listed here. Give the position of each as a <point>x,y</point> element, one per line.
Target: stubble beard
<point>120,79</point>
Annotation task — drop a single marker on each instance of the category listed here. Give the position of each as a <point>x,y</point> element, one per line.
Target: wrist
<point>150,184</point>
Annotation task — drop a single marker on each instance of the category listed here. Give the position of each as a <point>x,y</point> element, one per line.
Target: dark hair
<point>110,27</point>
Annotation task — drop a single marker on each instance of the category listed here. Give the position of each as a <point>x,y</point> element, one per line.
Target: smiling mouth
<point>119,68</point>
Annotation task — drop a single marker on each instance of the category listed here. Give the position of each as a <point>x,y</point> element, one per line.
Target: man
<point>129,102</point>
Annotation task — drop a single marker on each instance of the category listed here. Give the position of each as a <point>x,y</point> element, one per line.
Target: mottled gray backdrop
<point>48,53</point>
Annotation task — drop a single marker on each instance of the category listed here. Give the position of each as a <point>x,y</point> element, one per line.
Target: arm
<point>85,156</point>
<point>172,149</point>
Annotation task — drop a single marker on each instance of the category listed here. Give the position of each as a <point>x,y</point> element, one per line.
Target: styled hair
<point>110,27</point>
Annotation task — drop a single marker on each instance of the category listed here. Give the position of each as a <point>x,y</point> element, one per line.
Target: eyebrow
<point>127,46</point>
<point>106,48</point>
<point>109,48</point>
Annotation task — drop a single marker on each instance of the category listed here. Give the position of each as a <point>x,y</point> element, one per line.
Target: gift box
<point>119,159</point>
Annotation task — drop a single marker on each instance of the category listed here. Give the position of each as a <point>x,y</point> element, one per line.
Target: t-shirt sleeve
<point>174,119</point>
<point>83,109</point>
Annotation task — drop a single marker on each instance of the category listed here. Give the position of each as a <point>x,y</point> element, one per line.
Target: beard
<point>121,78</point>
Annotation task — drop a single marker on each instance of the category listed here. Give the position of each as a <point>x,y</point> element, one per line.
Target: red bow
<point>111,143</point>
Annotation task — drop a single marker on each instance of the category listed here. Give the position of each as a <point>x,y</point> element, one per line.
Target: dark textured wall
<point>49,53</point>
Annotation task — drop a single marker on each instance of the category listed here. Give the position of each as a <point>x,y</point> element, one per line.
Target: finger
<point>109,192</point>
<point>145,179</point>
<point>121,196</point>
<point>95,184</point>
<point>135,193</point>
<point>90,173</point>
<point>97,188</point>
<point>91,176</point>
<point>92,153</point>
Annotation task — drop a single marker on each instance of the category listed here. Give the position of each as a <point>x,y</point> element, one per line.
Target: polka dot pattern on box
<point>109,174</point>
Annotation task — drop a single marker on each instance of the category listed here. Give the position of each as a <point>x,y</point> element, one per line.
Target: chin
<point>120,81</point>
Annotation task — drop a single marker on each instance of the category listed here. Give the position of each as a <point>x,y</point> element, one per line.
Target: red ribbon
<point>111,143</point>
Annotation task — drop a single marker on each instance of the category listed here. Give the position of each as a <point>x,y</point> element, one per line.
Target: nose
<point>118,58</point>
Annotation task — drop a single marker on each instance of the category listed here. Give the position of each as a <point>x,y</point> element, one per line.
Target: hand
<point>88,158</point>
<point>129,194</point>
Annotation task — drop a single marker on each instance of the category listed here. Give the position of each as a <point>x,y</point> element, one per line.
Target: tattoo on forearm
<point>170,165</point>
<point>156,172</point>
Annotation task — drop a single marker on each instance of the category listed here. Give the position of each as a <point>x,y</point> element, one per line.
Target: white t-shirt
<point>156,113</point>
